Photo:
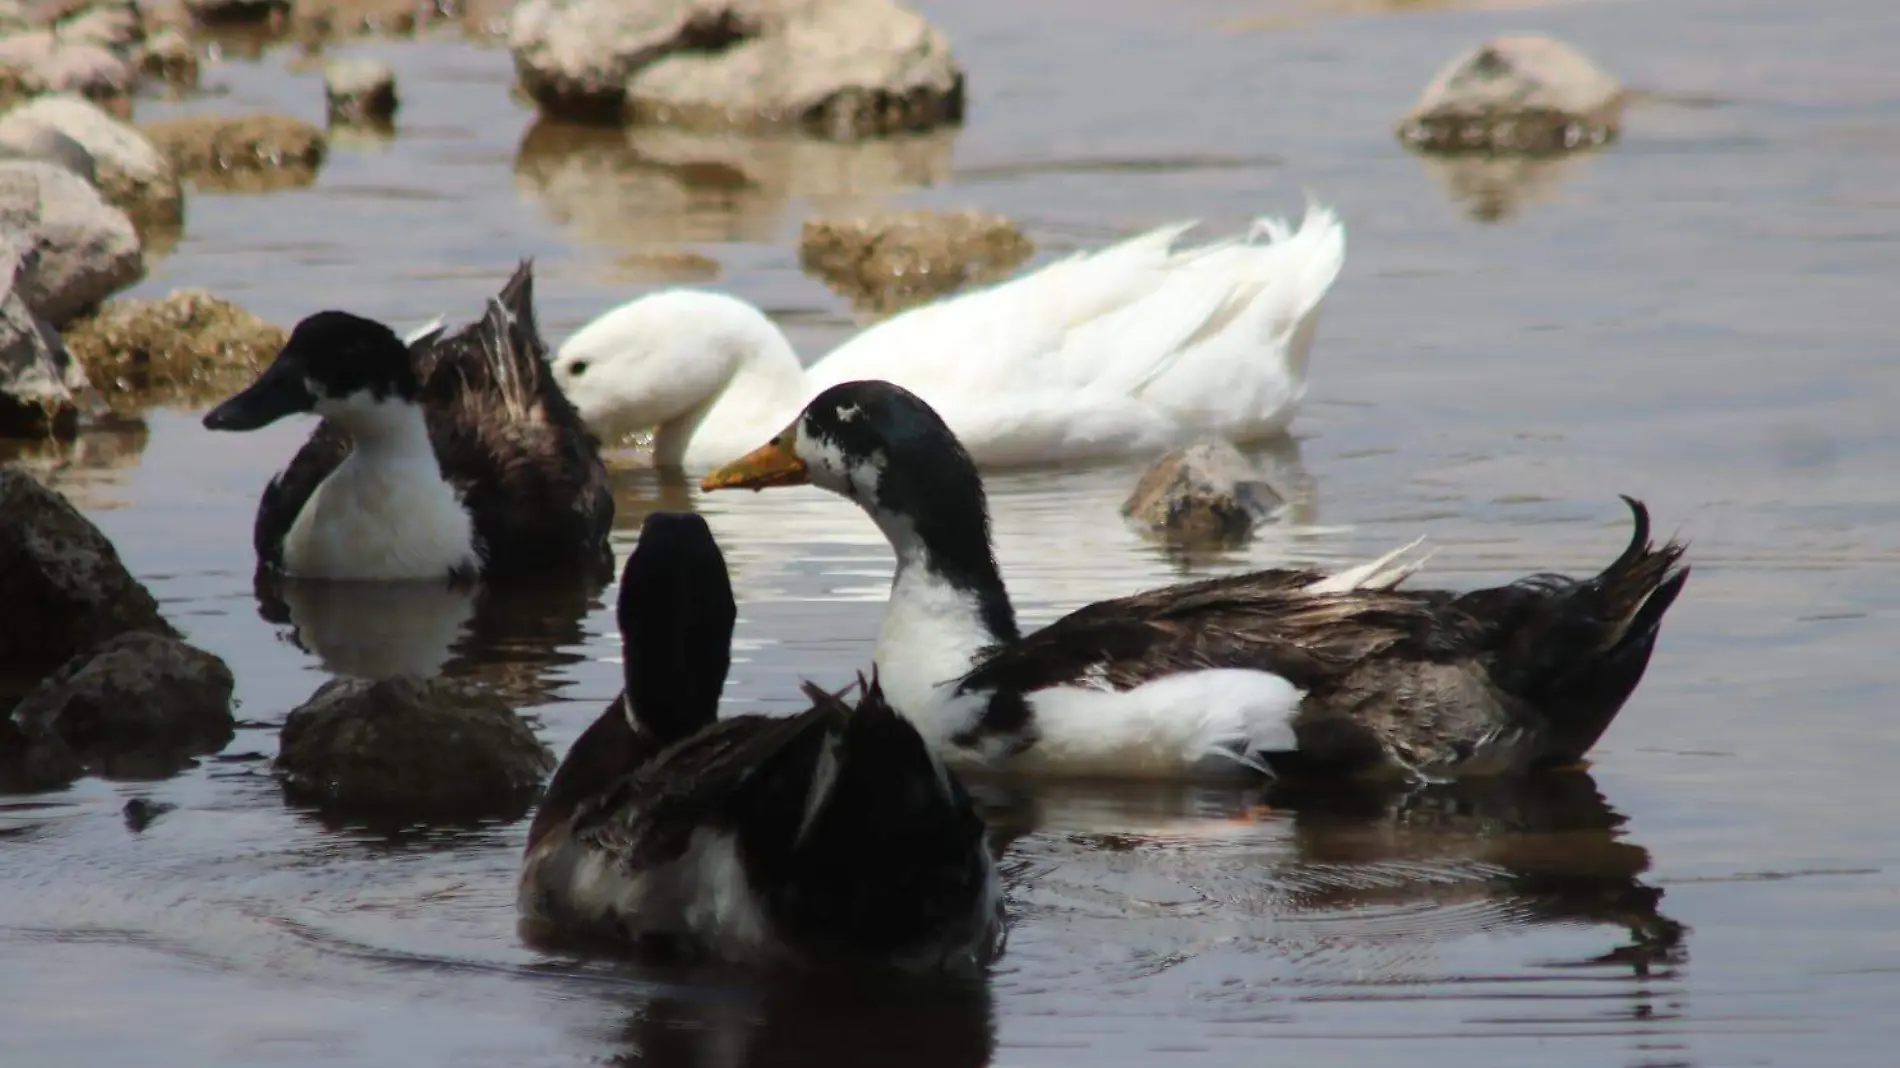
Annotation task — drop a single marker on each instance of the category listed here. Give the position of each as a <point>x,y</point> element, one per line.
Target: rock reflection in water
<point>88,468</point>
<point>642,186</point>
<point>507,638</point>
<point>1489,188</point>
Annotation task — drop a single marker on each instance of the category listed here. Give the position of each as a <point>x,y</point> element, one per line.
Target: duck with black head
<point>438,457</point>
<point>1286,671</point>
<point>833,837</point>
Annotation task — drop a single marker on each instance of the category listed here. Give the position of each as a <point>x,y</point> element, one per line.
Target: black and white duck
<point>1288,672</point>
<point>832,837</point>
<point>448,456</point>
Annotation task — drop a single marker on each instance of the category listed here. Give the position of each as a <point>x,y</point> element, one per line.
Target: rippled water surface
<point>1702,316</point>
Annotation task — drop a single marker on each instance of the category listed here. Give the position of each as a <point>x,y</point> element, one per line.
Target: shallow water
<point>1699,316</point>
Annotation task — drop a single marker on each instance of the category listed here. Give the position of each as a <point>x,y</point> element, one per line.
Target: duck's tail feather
<point>1580,648</point>
<point>499,358</point>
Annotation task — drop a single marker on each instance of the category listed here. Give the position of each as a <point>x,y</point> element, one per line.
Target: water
<point>1700,316</point>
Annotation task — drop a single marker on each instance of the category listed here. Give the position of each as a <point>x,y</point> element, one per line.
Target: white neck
<point>766,390</point>
<point>385,512</point>
<point>931,635</point>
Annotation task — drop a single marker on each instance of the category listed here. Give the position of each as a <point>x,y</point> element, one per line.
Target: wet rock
<point>886,263</point>
<point>32,760</point>
<point>129,171</point>
<point>146,696</point>
<point>407,749</point>
<point>359,91</point>
<point>139,813</point>
<point>842,68</point>
<point>188,348</point>
<point>42,388</point>
<point>1522,94</point>
<point>1206,493</point>
<point>234,12</point>
<point>36,62</point>
<point>62,583</point>
<point>85,249</point>
<point>252,153</point>
<point>168,56</point>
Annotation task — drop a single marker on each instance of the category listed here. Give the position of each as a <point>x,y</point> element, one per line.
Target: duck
<point>1123,352</point>
<point>438,457</point>
<point>832,838</point>
<point>1291,673</point>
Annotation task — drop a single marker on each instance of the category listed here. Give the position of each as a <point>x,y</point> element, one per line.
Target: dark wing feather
<point>287,493</point>
<point>650,815</point>
<point>1264,620</point>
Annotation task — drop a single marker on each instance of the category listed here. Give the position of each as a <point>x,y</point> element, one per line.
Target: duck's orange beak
<point>771,464</point>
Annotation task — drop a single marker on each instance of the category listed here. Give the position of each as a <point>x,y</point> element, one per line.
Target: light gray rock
<point>359,91</point>
<point>137,693</point>
<point>65,589</point>
<point>115,25</point>
<point>128,169</point>
<point>407,749</point>
<point>42,388</point>
<point>47,145</point>
<point>38,61</point>
<point>169,56</point>
<point>842,68</point>
<point>1528,94</point>
<point>86,249</point>
<point>1208,492</point>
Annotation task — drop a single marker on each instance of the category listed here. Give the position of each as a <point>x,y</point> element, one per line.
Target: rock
<point>32,760</point>
<point>188,348</point>
<point>37,62</point>
<point>46,145</point>
<point>234,12</point>
<point>61,581</point>
<point>1522,94</point>
<point>42,388</point>
<point>140,812</point>
<point>1208,492</point>
<point>115,25</point>
<point>321,20</point>
<point>138,694</point>
<point>86,249</point>
<point>168,56</point>
<point>128,169</point>
<point>890,262</point>
<point>251,153</point>
<point>407,748</point>
<point>360,91</point>
<point>841,68</point>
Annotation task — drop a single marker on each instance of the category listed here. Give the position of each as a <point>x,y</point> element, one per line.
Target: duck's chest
<point>383,521</point>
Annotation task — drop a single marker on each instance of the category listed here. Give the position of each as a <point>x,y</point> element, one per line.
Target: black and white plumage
<point>446,456</point>
<point>834,837</point>
<point>1290,672</point>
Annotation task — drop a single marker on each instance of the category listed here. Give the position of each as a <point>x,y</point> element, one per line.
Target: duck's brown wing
<point>1264,620</point>
<point>292,488</point>
<point>649,816</point>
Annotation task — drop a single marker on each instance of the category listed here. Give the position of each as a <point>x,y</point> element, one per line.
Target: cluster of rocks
<point>102,50</point>
<point>109,685</point>
<point>886,263</point>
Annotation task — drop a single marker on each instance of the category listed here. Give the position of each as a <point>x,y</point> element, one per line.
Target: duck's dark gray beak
<point>278,392</point>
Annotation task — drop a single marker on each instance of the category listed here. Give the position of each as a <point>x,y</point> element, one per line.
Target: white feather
<point>1123,351</point>
<point>1379,574</point>
<point>385,513</point>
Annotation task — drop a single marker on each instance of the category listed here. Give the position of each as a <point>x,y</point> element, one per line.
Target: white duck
<point>1126,351</point>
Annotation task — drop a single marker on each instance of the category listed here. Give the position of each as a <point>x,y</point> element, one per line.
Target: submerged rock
<point>843,68</point>
<point>147,698</point>
<point>359,91</point>
<point>188,348</point>
<point>1206,493</point>
<point>62,583</point>
<point>1522,94</point>
<point>84,249</point>
<point>411,749</point>
<point>42,388</point>
<point>890,262</point>
<point>129,171</point>
<point>140,812</point>
<point>251,153</point>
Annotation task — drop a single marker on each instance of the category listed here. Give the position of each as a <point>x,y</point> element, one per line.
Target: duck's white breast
<point>385,521</point>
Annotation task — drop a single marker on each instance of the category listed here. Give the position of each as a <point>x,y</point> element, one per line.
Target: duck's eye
<point>577,368</point>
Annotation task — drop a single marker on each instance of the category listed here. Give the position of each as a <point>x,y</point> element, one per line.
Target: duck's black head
<point>883,447</point>
<point>333,361</point>
<point>676,614</point>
